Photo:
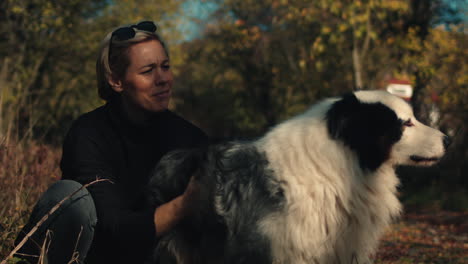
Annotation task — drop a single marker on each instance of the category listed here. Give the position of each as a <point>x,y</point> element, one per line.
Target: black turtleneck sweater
<point>105,144</point>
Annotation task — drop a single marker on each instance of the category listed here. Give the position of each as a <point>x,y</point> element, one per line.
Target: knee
<point>78,202</point>
<point>65,188</point>
<point>69,189</point>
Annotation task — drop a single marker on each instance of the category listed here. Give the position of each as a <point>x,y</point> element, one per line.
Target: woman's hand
<point>169,214</point>
<point>190,197</point>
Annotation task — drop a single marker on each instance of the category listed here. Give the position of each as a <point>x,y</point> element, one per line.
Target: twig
<point>45,217</point>
<point>27,255</point>
<point>45,247</point>
<point>76,254</point>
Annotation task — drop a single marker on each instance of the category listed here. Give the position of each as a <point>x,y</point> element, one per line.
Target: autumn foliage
<point>252,64</point>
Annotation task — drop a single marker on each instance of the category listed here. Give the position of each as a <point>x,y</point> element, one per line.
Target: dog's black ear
<point>341,114</point>
<point>369,129</point>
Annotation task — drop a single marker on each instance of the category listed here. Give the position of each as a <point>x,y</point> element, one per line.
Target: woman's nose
<point>160,77</point>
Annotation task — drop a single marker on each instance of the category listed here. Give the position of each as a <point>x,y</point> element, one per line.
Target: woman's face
<point>147,84</point>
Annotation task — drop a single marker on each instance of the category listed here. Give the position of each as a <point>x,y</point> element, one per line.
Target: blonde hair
<point>116,65</point>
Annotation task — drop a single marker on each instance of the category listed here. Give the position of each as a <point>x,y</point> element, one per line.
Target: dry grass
<point>26,170</point>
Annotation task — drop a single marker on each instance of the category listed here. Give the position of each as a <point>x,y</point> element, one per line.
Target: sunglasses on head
<point>126,33</point>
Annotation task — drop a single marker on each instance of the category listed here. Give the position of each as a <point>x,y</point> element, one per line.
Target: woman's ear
<point>115,84</point>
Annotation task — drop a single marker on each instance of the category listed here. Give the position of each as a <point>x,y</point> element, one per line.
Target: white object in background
<point>400,88</point>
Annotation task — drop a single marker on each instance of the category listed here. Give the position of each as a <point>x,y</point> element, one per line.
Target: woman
<point>120,141</point>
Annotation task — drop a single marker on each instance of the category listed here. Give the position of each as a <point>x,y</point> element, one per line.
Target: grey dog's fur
<point>227,175</point>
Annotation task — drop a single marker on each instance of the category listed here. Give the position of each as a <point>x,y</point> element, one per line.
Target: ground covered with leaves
<point>437,237</point>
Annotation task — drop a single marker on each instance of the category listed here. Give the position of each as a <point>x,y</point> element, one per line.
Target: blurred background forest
<point>240,67</point>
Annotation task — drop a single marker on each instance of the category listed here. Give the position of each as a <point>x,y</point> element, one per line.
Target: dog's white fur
<point>336,212</point>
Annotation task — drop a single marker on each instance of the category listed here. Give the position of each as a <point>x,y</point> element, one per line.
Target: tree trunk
<point>357,67</point>
<point>360,52</point>
<point>3,87</point>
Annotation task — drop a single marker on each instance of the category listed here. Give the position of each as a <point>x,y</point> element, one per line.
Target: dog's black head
<point>369,129</point>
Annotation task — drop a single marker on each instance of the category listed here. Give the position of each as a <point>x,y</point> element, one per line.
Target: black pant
<point>70,228</point>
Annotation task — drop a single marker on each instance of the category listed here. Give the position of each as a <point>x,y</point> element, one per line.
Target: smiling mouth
<point>423,159</point>
<point>165,93</point>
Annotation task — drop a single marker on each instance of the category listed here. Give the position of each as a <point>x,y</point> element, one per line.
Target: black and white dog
<point>318,188</point>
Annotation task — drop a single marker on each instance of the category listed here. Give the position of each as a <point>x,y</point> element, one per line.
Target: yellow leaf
<point>326,30</point>
<point>342,27</point>
<point>302,64</point>
<point>319,65</point>
<point>17,10</point>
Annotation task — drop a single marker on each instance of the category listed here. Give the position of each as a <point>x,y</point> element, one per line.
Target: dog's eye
<point>408,123</point>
